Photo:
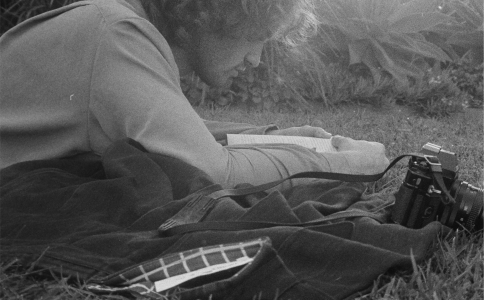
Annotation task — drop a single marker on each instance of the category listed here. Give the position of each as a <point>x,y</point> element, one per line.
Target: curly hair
<point>289,21</point>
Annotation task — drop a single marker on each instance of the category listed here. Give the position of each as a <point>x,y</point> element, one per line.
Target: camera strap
<point>186,220</point>
<point>436,171</point>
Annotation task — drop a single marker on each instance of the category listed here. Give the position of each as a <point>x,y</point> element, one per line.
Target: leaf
<point>364,8</point>
<point>441,42</point>
<point>424,48</point>
<point>478,6</point>
<point>386,8</point>
<point>408,68</point>
<point>327,12</point>
<point>413,7</point>
<point>431,51</point>
<point>399,39</point>
<point>333,38</point>
<point>250,77</point>
<point>467,13</point>
<point>446,30</point>
<point>357,50</point>
<point>384,59</point>
<point>286,94</point>
<point>418,22</point>
<point>239,84</point>
<point>243,97</point>
<point>376,10</point>
<point>467,39</point>
<point>373,29</point>
<point>390,61</point>
<point>223,101</point>
<point>420,47</point>
<point>354,31</point>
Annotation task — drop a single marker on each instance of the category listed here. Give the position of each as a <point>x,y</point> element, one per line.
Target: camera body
<point>420,200</point>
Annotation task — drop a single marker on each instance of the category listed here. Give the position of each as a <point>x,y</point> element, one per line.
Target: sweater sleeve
<point>135,93</point>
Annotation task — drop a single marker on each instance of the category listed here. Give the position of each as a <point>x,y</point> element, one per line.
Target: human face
<point>218,60</point>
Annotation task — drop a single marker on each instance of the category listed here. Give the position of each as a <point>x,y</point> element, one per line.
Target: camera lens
<point>468,209</point>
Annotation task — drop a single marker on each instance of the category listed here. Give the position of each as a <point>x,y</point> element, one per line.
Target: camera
<point>432,191</point>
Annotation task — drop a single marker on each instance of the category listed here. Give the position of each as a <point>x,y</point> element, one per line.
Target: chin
<point>212,75</point>
<point>218,82</point>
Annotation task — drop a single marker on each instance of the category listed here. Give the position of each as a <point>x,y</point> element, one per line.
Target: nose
<point>253,57</point>
<point>252,60</point>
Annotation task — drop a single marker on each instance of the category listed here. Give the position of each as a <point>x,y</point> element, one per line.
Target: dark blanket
<point>97,219</point>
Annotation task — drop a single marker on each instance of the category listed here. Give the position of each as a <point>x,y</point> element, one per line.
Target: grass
<point>454,271</point>
<point>17,282</point>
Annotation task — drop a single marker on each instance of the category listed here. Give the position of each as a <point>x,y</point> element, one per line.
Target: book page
<point>317,144</point>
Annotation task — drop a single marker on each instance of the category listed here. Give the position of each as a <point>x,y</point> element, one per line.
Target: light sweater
<point>75,79</point>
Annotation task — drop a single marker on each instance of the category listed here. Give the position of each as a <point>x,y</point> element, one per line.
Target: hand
<point>362,157</point>
<point>307,130</point>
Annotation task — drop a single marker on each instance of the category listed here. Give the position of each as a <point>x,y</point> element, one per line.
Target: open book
<point>317,144</point>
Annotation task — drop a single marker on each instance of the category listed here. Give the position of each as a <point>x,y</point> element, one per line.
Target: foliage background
<point>423,53</point>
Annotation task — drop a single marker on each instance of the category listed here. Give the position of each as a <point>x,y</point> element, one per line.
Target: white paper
<point>317,144</point>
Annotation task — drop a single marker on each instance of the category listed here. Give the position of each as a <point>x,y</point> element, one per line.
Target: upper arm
<point>135,93</point>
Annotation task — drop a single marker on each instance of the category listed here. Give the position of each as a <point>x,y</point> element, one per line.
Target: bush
<point>435,95</point>
<point>385,35</point>
<point>468,78</point>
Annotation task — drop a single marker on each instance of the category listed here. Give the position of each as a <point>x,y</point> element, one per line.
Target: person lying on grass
<point>80,77</point>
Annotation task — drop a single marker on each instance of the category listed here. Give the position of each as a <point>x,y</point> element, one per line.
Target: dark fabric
<point>94,217</point>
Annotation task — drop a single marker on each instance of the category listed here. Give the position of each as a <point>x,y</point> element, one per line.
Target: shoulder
<point>93,12</point>
<point>127,29</point>
<point>120,16</point>
<point>114,11</point>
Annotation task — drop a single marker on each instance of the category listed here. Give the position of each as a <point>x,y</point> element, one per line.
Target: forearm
<point>265,163</point>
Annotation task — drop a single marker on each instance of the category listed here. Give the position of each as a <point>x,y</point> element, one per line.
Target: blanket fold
<point>97,219</point>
